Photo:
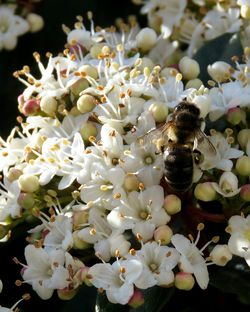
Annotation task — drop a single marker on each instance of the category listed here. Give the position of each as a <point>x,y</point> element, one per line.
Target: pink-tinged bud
<point>137,299</point>
<point>172,204</point>
<point>245,192</point>
<point>184,281</point>
<point>14,174</point>
<point>243,166</point>
<point>163,234</point>
<point>234,115</point>
<point>26,200</point>
<point>205,192</point>
<point>66,294</point>
<point>21,102</point>
<point>31,107</point>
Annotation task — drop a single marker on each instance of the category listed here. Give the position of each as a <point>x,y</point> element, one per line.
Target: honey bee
<point>183,145</point>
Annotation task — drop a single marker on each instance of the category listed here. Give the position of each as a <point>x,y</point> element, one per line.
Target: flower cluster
<point>13,25</point>
<point>190,24</point>
<point>81,169</point>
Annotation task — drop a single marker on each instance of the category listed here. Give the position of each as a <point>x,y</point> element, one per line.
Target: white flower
<point>158,263</point>
<point>224,154</point>
<point>191,259</point>
<point>228,185</point>
<point>11,26</point>
<point>9,205</point>
<point>142,212</point>
<point>239,242</point>
<point>117,279</point>
<point>45,271</point>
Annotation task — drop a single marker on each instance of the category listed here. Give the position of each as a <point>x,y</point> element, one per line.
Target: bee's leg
<point>198,157</point>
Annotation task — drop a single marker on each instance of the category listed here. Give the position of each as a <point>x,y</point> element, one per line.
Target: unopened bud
<point>48,105</point>
<point>189,68</point>
<point>172,204</point>
<point>194,83</point>
<point>146,63</point>
<point>80,85</point>
<point>89,130</point>
<point>14,174</point>
<point>31,107</point>
<point>159,111</point>
<point>205,192</point>
<point>80,218</point>
<point>234,115</point>
<point>184,281</point>
<point>28,183</point>
<point>35,21</point>
<point>220,71</point>
<point>84,276</point>
<point>243,137</point>
<point>66,293</point>
<point>86,103</point>
<point>146,39</point>
<point>96,49</point>
<point>26,200</point>
<point>243,166</point>
<point>245,192</point>
<point>137,299</point>
<point>163,234</point>
<point>220,255</point>
<point>89,70</point>
<point>131,183</point>
<point>78,243</point>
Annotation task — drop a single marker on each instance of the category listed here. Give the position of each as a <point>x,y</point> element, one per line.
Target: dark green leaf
<point>234,279</point>
<point>221,48</point>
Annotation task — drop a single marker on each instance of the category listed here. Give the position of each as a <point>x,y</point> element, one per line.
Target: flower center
<point>153,267</point>
<point>144,215</point>
<point>148,160</point>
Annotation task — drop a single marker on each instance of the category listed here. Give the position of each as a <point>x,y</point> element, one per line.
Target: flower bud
<point>28,183</point>
<point>219,71</point>
<point>35,21</point>
<point>220,255</point>
<point>96,49</point>
<point>78,243</point>
<point>79,86</point>
<point>172,204</point>
<point>169,72</point>
<point>245,12</point>
<point>89,70</point>
<point>146,62</point>
<point>243,166</point>
<point>159,111</point>
<point>26,200</point>
<point>189,68</point>
<point>243,137</point>
<point>194,83</point>
<point>245,192</point>
<point>163,234</point>
<point>80,218</point>
<point>203,102</point>
<point>137,299</point>
<point>66,293</point>
<point>234,115</point>
<point>86,103</point>
<point>88,130</point>
<point>146,39</point>
<point>184,281</point>
<point>83,276</point>
<point>131,183</point>
<point>205,192</point>
<point>31,107</point>
<point>14,174</point>
<point>48,105</point>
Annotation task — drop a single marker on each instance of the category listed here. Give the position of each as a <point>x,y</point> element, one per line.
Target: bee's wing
<point>157,136</point>
<point>204,145</point>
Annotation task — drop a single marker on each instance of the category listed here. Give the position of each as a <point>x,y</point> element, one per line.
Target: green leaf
<point>155,299</point>
<point>234,279</point>
<point>221,48</point>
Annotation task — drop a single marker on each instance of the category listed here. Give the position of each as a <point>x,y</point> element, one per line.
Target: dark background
<point>52,39</point>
